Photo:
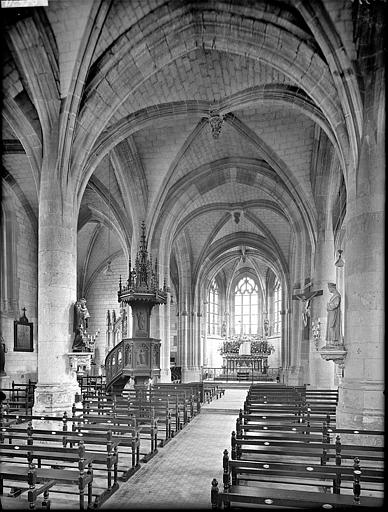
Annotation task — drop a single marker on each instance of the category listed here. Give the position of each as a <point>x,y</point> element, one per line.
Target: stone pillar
<point>198,333</point>
<point>57,288</point>
<point>321,372</point>
<point>191,372</point>
<point>361,399</point>
<point>361,403</point>
<point>164,313</point>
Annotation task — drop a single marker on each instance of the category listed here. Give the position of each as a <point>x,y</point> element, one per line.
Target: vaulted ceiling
<point>143,148</point>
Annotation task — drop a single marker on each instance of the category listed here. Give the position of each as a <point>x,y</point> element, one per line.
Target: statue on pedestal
<point>81,316</point>
<point>3,350</point>
<point>333,329</point>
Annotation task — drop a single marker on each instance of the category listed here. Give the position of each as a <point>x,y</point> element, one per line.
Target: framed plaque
<point>23,334</point>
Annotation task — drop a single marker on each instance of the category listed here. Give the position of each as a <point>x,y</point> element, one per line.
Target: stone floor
<point>180,475</point>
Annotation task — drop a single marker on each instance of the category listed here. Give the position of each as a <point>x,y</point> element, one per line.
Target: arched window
<point>246,307</point>
<point>212,309</point>
<point>277,306</point>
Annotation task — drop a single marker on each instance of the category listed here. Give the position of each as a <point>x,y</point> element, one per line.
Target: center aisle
<point>180,474</point>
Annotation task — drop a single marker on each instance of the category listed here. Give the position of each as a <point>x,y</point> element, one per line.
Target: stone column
<point>361,403</point>
<point>321,372</point>
<point>57,288</point>
<point>198,333</point>
<point>361,400</point>
<point>191,372</point>
<point>164,312</point>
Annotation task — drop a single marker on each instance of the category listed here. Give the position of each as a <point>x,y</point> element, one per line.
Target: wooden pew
<point>20,397</point>
<point>311,451</point>
<point>189,399</point>
<point>125,436</point>
<point>164,402</point>
<point>33,490</point>
<point>146,425</point>
<point>102,451</point>
<point>334,478</point>
<point>211,391</point>
<point>83,476</point>
<point>165,411</point>
<point>278,496</point>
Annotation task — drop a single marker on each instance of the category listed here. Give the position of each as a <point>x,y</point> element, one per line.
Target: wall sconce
<point>339,262</point>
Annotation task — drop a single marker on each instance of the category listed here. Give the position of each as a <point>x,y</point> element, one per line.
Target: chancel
<point>193,202</point>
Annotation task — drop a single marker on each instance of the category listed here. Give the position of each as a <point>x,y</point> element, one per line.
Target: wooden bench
<point>177,405</point>
<point>334,478</point>
<point>125,436</point>
<point>146,425</point>
<point>165,411</point>
<point>83,476</point>
<point>189,397</point>
<point>103,451</point>
<point>276,392</point>
<point>33,490</point>
<point>309,450</point>
<point>275,494</point>
<point>212,390</point>
<point>20,397</point>
<point>194,388</point>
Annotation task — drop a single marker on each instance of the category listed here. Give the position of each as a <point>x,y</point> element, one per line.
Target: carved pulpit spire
<point>141,352</point>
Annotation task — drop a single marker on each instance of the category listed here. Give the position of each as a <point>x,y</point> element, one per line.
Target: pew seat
<point>13,472</point>
<point>261,496</point>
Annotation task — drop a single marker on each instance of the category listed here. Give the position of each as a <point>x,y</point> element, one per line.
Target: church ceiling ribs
<point>38,68</point>
<point>118,220</point>
<point>296,60</point>
<point>224,220</point>
<point>212,265</point>
<point>221,248</point>
<point>99,270</point>
<point>91,244</point>
<point>246,205</point>
<point>97,17</point>
<point>29,139</point>
<point>130,178</point>
<point>260,225</point>
<point>8,181</point>
<point>146,117</point>
<point>177,191</point>
<point>273,244</point>
<point>307,210</point>
<point>341,68</point>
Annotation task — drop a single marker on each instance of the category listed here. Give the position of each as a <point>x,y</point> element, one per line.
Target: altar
<point>245,354</point>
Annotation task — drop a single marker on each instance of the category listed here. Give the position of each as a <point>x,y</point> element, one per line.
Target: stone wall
<point>101,296</point>
<point>21,366</point>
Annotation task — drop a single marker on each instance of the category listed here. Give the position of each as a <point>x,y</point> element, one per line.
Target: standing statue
<point>140,320</point>
<point>266,327</point>
<point>3,350</point>
<point>81,316</point>
<point>333,329</point>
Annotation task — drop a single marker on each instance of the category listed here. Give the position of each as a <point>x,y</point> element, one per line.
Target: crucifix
<point>306,296</point>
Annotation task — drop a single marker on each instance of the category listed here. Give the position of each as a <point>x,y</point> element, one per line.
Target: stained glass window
<point>246,306</point>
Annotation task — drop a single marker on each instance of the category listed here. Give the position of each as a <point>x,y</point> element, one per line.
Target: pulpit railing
<point>115,363</point>
<point>131,358</point>
<point>116,328</point>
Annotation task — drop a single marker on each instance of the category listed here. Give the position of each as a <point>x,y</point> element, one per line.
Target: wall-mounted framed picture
<point>23,334</point>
